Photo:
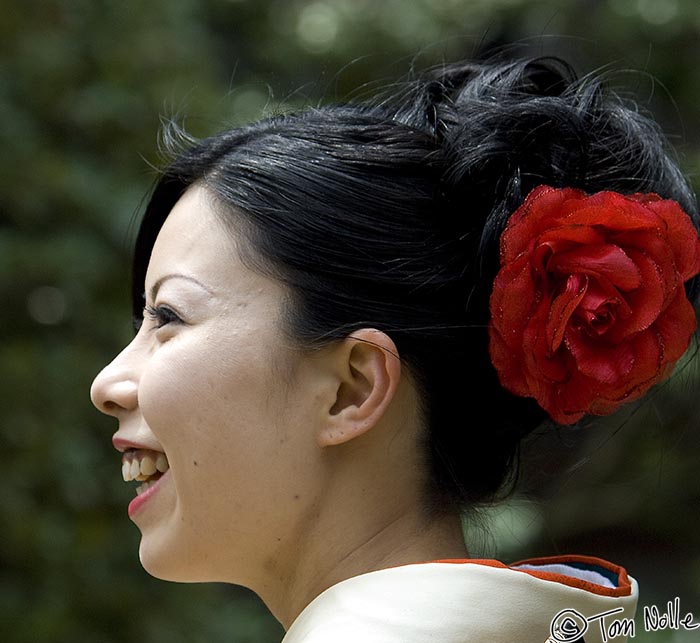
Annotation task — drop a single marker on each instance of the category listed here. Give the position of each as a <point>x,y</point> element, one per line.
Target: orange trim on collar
<point>624,587</point>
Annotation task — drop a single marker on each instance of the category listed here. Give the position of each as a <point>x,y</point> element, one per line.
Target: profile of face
<point>253,453</point>
<point>211,383</point>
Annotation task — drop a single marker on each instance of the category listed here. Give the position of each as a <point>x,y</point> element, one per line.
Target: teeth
<point>148,467</point>
<point>140,466</point>
<point>142,487</point>
<point>162,463</point>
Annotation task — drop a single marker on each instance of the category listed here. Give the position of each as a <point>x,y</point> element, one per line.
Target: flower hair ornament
<point>589,309</point>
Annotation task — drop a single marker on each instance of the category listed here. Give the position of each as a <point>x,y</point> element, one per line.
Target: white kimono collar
<point>474,601</point>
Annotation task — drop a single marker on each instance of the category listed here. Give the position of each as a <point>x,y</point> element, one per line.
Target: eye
<point>161,315</point>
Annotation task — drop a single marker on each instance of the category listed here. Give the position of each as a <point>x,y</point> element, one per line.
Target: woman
<point>348,319</point>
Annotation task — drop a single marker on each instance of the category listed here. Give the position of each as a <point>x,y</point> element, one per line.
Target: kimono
<point>546,600</point>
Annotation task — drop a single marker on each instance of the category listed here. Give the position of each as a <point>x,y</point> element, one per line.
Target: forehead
<point>190,233</point>
<point>195,242</point>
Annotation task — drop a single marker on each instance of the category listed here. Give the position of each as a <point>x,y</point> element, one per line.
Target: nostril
<point>109,407</point>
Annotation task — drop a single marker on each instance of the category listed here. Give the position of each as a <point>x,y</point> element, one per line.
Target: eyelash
<point>161,315</point>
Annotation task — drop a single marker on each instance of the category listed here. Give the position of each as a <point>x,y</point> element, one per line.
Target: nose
<point>115,389</point>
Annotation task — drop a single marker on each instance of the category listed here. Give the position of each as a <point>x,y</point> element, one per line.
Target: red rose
<point>588,309</point>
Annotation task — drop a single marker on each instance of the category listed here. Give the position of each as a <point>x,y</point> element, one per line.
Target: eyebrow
<point>175,275</point>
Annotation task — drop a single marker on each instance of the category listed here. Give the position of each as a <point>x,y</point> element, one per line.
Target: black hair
<point>388,214</point>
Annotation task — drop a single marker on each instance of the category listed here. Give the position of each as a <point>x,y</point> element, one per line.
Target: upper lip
<point>123,444</point>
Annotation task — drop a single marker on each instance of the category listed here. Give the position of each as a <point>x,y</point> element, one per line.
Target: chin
<point>165,563</point>
<point>170,561</point>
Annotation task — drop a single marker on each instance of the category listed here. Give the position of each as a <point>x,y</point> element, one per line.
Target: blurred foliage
<point>83,85</point>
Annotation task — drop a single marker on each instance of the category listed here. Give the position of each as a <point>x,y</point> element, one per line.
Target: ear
<point>368,370</point>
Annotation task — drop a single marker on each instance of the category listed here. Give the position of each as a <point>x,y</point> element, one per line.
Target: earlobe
<point>369,370</point>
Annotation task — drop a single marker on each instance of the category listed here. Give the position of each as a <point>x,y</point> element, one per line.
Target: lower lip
<point>139,501</point>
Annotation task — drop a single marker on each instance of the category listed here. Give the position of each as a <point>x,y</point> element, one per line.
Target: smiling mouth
<point>144,466</point>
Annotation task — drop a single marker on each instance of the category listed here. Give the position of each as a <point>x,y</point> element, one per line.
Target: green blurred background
<point>83,86</point>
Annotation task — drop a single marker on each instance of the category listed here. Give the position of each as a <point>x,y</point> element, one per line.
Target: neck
<point>330,556</point>
<point>368,512</point>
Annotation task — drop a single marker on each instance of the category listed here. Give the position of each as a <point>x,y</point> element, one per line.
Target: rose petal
<point>540,364</point>
<point>512,301</point>
<point>612,211</point>
<point>610,366</point>
<point>649,362</point>
<point>541,205</point>
<point>608,260</point>
<point>647,302</point>
<point>650,243</point>
<point>570,402</point>
<point>681,236</point>
<point>567,237</point>
<point>508,365</point>
<point>602,300</point>
<point>677,326</point>
<point>562,308</point>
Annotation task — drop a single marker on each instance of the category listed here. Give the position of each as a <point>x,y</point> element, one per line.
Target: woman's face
<point>210,383</point>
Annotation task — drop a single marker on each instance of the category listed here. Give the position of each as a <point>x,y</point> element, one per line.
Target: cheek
<point>169,390</point>
<point>190,376</point>
<point>205,406</point>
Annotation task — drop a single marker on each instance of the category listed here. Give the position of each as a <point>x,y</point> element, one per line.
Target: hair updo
<point>388,215</point>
